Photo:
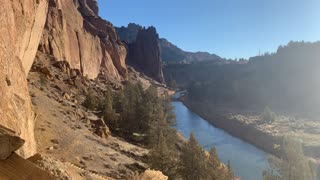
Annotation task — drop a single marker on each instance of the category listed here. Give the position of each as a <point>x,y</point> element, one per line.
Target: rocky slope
<point>75,33</point>
<point>71,139</point>
<point>145,53</point>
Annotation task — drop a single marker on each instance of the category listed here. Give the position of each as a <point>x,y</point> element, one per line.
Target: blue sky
<point>229,28</point>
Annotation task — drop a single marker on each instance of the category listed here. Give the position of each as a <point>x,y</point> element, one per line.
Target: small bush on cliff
<point>43,80</point>
<point>173,84</point>
<point>90,102</point>
<point>269,116</point>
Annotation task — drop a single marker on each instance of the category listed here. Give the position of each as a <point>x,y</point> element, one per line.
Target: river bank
<point>247,161</point>
<point>248,127</point>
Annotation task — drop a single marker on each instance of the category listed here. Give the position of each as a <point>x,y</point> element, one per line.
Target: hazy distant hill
<point>169,51</point>
<point>287,80</point>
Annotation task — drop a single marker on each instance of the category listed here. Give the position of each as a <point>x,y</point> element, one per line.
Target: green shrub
<point>43,80</point>
<point>268,116</point>
<point>90,102</point>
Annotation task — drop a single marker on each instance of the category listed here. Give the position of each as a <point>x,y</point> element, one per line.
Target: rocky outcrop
<point>72,32</point>
<point>75,33</point>
<point>145,53</point>
<point>129,34</point>
<point>150,175</point>
<point>16,167</point>
<point>169,51</point>
<point>56,169</point>
<point>21,28</point>
<point>9,141</point>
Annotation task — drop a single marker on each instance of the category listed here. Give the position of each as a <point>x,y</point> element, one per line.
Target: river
<point>247,161</point>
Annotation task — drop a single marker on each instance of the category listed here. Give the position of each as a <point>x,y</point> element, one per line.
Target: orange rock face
<point>74,33</point>
<point>21,28</point>
<point>67,30</point>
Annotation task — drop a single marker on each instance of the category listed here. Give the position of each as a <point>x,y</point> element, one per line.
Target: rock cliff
<point>145,53</point>
<point>68,31</point>
<point>21,29</point>
<point>169,52</point>
<point>75,33</point>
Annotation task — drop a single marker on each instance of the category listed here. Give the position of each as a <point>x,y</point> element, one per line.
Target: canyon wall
<point>66,30</point>
<point>75,33</point>
<point>21,29</point>
<point>145,53</point>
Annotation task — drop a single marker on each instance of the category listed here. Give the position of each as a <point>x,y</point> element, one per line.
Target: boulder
<point>16,167</point>
<point>53,166</point>
<point>150,175</point>
<point>100,128</point>
<point>9,141</point>
<point>45,71</point>
<point>63,88</point>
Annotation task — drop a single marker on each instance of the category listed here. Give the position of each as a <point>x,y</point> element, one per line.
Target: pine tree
<point>168,109</point>
<point>118,100</point>
<point>229,171</point>
<point>213,165</point>
<point>129,102</point>
<point>162,158</point>
<point>192,160</point>
<point>107,110</point>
